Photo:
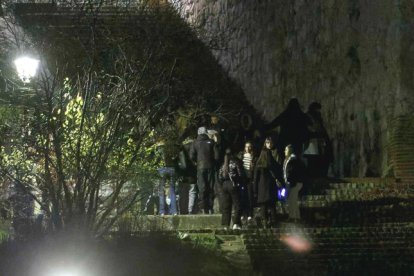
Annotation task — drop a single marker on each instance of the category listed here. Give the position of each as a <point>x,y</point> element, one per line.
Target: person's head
<point>288,150</point>
<point>268,144</point>
<point>202,130</point>
<point>248,147</point>
<point>214,119</point>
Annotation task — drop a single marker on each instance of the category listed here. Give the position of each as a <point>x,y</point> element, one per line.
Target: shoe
<point>225,228</point>
<point>249,219</point>
<point>236,227</point>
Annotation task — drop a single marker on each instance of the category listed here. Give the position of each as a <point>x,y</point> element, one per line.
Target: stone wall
<point>352,56</point>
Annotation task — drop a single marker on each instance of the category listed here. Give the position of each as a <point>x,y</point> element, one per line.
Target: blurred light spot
<point>296,243</point>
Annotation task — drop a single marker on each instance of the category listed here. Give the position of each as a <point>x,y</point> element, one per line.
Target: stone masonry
<point>353,56</point>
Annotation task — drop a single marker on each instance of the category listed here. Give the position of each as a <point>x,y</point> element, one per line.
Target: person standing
<point>205,155</point>
<point>294,176</point>
<point>169,153</point>
<point>248,158</point>
<point>189,175</point>
<point>266,173</point>
<point>231,175</point>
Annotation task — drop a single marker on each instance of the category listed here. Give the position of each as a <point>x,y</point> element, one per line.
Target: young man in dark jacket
<point>205,155</point>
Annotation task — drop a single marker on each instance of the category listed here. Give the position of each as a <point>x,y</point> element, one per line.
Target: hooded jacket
<point>204,152</point>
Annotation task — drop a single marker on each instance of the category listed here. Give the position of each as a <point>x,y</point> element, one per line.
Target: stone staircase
<point>401,147</point>
<point>358,202</point>
<point>350,226</point>
<point>383,249</point>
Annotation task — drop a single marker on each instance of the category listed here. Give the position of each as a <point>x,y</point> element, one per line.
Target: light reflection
<point>296,238</point>
<point>296,243</point>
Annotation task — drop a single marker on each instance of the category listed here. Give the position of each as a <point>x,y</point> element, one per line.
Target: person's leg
<point>272,211</point>
<point>226,205</point>
<point>292,201</point>
<point>235,196</point>
<point>217,189</point>
<point>183,193</point>
<point>250,198</point>
<point>192,197</point>
<point>210,190</point>
<point>260,214</point>
<point>173,205</point>
<point>161,194</point>
<point>202,182</point>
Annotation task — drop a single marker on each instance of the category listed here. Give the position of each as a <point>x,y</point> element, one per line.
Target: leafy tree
<point>111,85</point>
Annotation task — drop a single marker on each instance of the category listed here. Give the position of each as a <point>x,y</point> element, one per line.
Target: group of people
<point>221,179</point>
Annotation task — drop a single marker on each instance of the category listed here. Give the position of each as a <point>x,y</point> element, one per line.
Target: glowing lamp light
<point>63,273</point>
<point>26,68</point>
<point>281,194</point>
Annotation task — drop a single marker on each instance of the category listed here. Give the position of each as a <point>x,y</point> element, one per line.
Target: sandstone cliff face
<point>353,56</point>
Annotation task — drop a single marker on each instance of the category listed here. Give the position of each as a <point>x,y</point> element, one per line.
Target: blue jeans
<point>192,197</point>
<point>167,172</point>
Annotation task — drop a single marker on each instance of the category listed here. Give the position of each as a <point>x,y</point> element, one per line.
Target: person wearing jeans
<point>169,151</point>
<point>167,173</point>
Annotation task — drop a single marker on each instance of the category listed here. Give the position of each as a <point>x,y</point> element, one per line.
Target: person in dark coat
<point>231,177</point>
<point>204,153</point>
<point>266,173</point>
<point>219,149</point>
<point>188,172</point>
<point>293,124</point>
<point>294,176</point>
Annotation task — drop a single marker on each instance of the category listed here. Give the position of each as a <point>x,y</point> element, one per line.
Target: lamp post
<point>26,68</point>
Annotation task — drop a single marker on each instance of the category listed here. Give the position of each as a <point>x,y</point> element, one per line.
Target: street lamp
<point>26,68</point>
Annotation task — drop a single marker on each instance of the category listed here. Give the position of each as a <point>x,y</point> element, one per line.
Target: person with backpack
<point>231,175</point>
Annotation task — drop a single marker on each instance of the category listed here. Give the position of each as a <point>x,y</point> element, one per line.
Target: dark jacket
<point>294,171</point>
<point>264,182</point>
<point>169,153</point>
<point>204,152</point>
<point>235,172</point>
<point>187,167</point>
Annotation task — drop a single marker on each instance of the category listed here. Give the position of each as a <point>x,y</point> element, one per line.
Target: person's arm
<point>193,153</point>
<point>222,177</point>
<point>216,152</point>
<point>256,179</point>
<point>293,171</point>
<point>240,170</point>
